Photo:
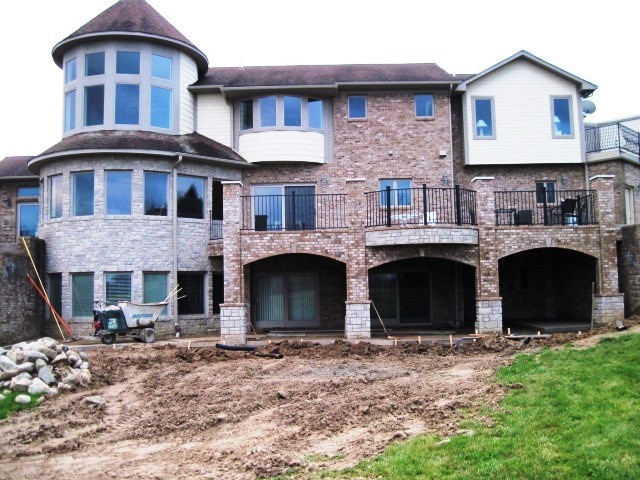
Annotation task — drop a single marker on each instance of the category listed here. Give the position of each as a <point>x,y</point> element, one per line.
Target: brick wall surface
<point>629,268</point>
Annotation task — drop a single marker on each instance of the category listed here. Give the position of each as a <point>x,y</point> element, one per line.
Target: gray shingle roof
<point>15,167</point>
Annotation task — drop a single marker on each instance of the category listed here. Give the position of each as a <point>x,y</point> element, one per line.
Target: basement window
<point>81,295</point>
<point>117,288</point>
<point>192,301</point>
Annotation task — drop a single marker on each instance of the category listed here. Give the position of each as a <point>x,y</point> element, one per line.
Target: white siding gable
<point>523,133</point>
<point>214,117</point>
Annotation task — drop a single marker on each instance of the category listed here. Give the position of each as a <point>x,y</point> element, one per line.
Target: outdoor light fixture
<point>445,180</point>
<point>564,181</point>
<point>7,202</point>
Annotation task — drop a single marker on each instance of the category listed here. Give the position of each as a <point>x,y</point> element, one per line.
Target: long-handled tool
<point>54,312</point>
<point>379,317</point>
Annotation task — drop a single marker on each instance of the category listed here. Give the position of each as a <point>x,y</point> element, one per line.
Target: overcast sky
<point>461,36</point>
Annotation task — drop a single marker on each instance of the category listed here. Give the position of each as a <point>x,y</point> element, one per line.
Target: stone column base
<point>233,323</point>
<point>489,315</point>
<point>357,321</point>
<point>608,308</point>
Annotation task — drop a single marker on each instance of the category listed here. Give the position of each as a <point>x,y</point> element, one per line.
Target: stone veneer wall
<point>21,309</point>
<point>134,243</point>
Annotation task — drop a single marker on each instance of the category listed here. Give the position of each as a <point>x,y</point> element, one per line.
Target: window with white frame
<point>357,106</point>
<point>127,104</point>
<point>117,287</point>
<point>424,105</point>
<point>562,124</point>
<point>395,192</point>
<point>81,194</point>
<point>55,196</point>
<point>128,63</point>
<point>281,112</point>
<point>70,70</point>
<point>93,105</point>
<point>118,192</point>
<point>94,64</point>
<point>483,118</point>
<point>70,110</point>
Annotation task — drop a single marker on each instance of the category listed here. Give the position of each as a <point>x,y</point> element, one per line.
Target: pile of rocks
<point>44,366</point>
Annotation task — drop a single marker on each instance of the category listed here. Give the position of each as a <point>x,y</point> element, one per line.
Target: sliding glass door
<point>286,300</point>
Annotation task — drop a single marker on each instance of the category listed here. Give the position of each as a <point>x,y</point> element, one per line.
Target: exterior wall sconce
<point>7,202</point>
<point>445,180</point>
<point>564,181</point>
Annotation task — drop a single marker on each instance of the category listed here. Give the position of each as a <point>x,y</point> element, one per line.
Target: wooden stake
<point>189,345</point>
<point>579,332</point>
<point>451,340</point>
<point>395,343</point>
<point>419,339</point>
<point>509,331</point>
<point>538,332</point>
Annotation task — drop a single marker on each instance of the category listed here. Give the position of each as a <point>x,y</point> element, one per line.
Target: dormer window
<point>128,63</point>
<point>94,64</point>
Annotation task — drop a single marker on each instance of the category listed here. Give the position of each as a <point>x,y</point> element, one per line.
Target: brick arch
<point>259,257</point>
<point>520,249</point>
<point>377,262</point>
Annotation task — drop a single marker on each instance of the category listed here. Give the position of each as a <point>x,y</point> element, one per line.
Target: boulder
<point>6,364</point>
<point>24,399</point>
<point>78,363</point>
<point>2,351</point>
<point>63,387</point>
<point>71,380</point>
<point>19,346</point>
<point>85,377</point>
<point>49,342</point>
<point>5,376</point>
<point>83,356</point>
<point>26,367</point>
<point>40,363</point>
<point>84,366</point>
<point>72,358</point>
<point>46,375</point>
<point>25,375</point>
<point>21,385</point>
<point>39,347</point>
<point>93,400</point>
<point>62,357</point>
<point>33,355</point>
<point>38,386</point>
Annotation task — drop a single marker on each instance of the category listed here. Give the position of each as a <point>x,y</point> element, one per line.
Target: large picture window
<point>55,196</point>
<point>190,201</point>
<point>82,193</point>
<point>118,193</point>
<point>192,301</point>
<point>117,287</point>
<point>81,295</point>
<point>155,193</point>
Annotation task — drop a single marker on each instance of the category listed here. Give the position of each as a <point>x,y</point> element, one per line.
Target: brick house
<point>329,197</point>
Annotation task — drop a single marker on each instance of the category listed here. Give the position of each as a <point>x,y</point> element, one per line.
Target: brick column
<point>608,304</point>
<point>357,322</point>
<point>233,312</point>
<point>488,300</point>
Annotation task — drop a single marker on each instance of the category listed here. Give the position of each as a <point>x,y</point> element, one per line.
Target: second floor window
<point>561,112</point>
<point>94,64</point>
<point>399,192</point>
<point>549,188</point>
<point>128,63</point>
<point>118,193</point>
<point>93,105</point>
<point>190,199</point>
<point>424,105</point>
<point>268,112</point>
<point>483,121</point>
<point>357,106</point>
<point>127,104</point>
<point>281,111</point>
<point>55,196</point>
<point>155,193</point>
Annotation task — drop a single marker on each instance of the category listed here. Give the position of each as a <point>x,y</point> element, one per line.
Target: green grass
<point>578,417</point>
<point>9,405</point>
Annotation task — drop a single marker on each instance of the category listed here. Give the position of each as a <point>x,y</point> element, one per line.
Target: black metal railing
<point>293,212</point>
<point>545,207</point>
<point>215,229</point>
<point>612,136</point>
<point>421,206</point>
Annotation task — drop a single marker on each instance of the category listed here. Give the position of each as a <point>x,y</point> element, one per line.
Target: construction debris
<point>43,367</point>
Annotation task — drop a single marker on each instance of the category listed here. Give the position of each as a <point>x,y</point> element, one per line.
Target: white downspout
<point>174,221</point>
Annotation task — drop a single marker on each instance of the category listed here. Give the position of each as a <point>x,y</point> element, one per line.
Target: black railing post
<point>458,206</point>
<point>619,143</point>
<point>544,205</point>
<point>388,195</point>
<point>424,204</point>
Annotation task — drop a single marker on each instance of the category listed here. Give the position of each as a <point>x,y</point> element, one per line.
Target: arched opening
<point>547,289</point>
<point>422,294</point>
<point>297,292</point>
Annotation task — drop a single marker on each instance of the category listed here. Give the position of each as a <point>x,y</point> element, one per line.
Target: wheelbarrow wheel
<point>108,339</point>
<point>148,335</point>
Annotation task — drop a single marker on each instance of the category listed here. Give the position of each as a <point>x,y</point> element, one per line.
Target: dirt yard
<point>205,413</point>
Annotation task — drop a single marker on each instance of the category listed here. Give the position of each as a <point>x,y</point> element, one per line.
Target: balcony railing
<point>215,232</point>
<point>612,136</point>
<point>421,206</point>
<point>545,207</point>
<point>293,212</point>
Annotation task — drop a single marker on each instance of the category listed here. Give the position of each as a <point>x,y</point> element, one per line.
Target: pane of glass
<point>94,105</point>
<point>315,113</point>
<point>561,117</point>
<point>268,112</point>
<point>28,192</point>
<point>55,291</point>
<point>161,66</point>
<point>300,208</point>
<point>551,192</point>
<point>484,120</point>
<point>161,107</point>
<point>70,71</point>
<point>127,104</point>
<point>246,115</point>
<point>155,288</point>
<point>94,64</point>
<point>128,62</point>
<point>82,193</point>
<point>55,196</point>
<point>292,111</point>
<point>82,295</point>
<point>301,298</point>
<point>382,289</point>
<point>269,299</point>
<point>383,192</point>
<point>28,214</point>
<point>118,190</point>
<point>193,292</point>
<point>190,197</point>
<point>267,208</point>
<point>118,288</point>
<point>403,192</point>
<point>413,293</point>
<point>70,110</point>
<point>217,291</point>
<point>155,193</point>
<point>357,106</point>
<point>424,105</point>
